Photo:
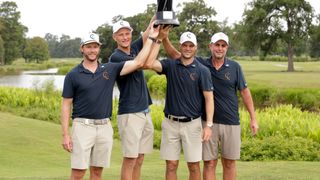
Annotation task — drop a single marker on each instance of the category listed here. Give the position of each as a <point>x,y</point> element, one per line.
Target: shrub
<point>280,148</point>
<point>157,85</point>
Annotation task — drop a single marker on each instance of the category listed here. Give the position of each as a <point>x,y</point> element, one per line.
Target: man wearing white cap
<point>227,78</point>
<point>189,91</point>
<point>134,120</point>
<point>88,91</point>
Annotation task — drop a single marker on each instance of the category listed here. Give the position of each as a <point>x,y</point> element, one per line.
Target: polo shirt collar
<point>122,52</point>
<point>193,64</point>
<point>226,62</point>
<point>81,68</point>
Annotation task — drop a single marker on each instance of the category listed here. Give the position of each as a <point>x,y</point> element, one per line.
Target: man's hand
<point>254,127</point>
<point>67,143</point>
<point>164,31</point>
<point>206,133</point>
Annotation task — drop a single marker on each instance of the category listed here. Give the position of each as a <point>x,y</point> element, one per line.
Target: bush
<point>305,99</point>
<point>280,148</point>
<point>157,85</point>
<point>148,74</point>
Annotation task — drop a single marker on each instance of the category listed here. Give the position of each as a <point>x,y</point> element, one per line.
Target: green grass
<point>274,74</point>
<point>30,149</point>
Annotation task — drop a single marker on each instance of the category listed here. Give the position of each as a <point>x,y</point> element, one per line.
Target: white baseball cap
<point>219,36</point>
<point>90,38</point>
<point>121,24</point>
<point>188,36</point>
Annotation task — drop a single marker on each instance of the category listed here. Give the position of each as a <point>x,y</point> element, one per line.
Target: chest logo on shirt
<point>227,76</point>
<point>193,76</point>
<point>106,75</point>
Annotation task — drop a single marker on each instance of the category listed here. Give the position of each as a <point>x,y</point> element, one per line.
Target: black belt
<point>187,119</point>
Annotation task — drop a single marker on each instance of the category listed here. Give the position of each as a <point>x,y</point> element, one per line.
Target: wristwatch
<point>209,124</point>
<point>155,40</point>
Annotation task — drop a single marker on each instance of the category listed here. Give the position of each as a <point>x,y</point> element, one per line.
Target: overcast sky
<point>77,17</point>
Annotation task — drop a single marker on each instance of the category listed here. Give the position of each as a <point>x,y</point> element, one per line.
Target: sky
<point>78,17</point>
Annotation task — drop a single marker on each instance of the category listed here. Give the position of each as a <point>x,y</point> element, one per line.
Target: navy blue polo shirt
<point>185,86</point>
<point>226,81</point>
<point>91,92</point>
<point>134,94</point>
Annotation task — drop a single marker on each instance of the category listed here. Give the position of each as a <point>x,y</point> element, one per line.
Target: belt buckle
<point>170,117</point>
<point>86,121</point>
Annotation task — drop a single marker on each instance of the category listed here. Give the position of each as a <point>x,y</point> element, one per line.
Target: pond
<point>36,79</point>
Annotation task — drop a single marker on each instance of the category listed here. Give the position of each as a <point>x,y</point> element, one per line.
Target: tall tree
<point>196,17</point>
<point>36,50</point>
<point>315,39</point>
<point>13,32</point>
<point>53,42</point>
<point>271,20</point>
<point>1,45</point>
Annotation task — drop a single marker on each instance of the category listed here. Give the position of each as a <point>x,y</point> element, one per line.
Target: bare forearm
<point>248,102</point>
<point>209,102</point>
<point>65,118</point>
<point>152,56</point>
<point>171,51</point>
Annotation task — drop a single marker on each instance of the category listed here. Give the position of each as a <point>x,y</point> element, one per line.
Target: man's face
<point>188,50</point>
<point>219,49</point>
<point>91,51</point>
<point>123,37</point>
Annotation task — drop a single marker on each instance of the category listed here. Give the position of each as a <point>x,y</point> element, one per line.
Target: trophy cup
<point>165,15</point>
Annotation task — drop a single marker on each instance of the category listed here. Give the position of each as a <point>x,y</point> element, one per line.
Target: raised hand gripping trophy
<point>165,15</point>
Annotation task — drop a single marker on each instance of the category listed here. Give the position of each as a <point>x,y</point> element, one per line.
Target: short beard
<point>89,59</point>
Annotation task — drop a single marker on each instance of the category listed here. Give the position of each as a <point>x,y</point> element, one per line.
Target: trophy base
<point>166,18</point>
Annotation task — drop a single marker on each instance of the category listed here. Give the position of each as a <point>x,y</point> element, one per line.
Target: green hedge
<point>286,132</point>
<point>305,99</point>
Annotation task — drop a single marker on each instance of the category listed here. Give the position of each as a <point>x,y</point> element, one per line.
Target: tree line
<point>268,27</point>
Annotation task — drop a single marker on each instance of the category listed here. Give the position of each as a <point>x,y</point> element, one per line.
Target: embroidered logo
<point>227,76</point>
<point>106,75</point>
<point>193,76</point>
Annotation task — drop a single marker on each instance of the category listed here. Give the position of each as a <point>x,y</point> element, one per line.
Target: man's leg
<point>171,170</point>
<point>96,173</point>
<point>209,169</point>
<point>127,168</point>
<point>229,169</point>
<point>194,170</point>
<point>77,174</point>
<point>137,167</point>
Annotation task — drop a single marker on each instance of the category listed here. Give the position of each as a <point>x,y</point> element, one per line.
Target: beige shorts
<point>136,133</point>
<point>227,137</point>
<point>181,135</point>
<point>92,145</point>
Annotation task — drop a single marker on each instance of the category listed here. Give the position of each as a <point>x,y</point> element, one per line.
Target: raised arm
<point>248,102</point>
<point>164,31</point>
<point>140,59</point>
<point>172,52</point>
<point>145,34</point>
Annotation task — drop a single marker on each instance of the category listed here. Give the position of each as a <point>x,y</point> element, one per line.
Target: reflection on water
<point>31,81</point>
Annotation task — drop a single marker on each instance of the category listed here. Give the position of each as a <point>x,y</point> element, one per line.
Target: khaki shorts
<point>92,145</point>
<point>181,135</point>
<point>136,133</point>
<point>227,137</point>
